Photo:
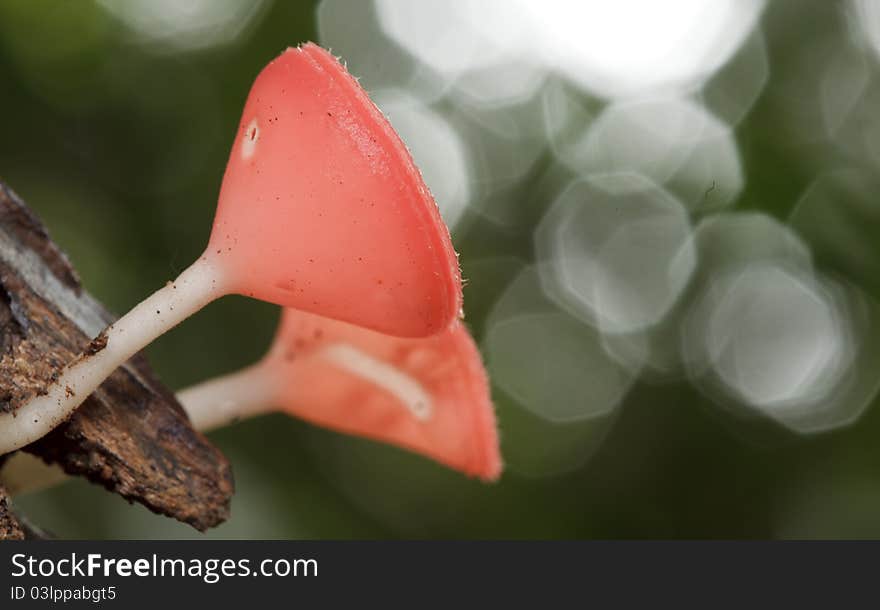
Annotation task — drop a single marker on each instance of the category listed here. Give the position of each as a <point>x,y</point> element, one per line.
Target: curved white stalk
<point>213,404</point>
<point>230,398</point>
<point>249,392</point>
<point>197,286</point>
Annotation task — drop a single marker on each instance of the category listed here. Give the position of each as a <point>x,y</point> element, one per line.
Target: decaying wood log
<point>130,435</point>
<point>10,527</point>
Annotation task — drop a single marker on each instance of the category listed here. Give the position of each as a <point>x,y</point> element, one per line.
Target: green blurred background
<point>117,118</point>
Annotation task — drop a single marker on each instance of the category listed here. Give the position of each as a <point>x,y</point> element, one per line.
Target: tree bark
<point>10,527</point>
<point>130,435</point>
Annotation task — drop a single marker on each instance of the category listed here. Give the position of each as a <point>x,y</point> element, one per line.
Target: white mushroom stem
<point>246,393</point>
<point>197,286</point>
<point>210,405</point>
<point>225,400</point>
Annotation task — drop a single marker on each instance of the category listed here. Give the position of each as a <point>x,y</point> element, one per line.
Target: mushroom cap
<point>430,395</point>
<point>322,208</point>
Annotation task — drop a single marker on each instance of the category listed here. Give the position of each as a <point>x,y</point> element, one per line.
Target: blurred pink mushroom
<point>321,209</point>
<point>429,395</point>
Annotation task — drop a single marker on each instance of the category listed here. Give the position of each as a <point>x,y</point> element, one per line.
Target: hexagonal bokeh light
<point>735,239</point>
<point>721,242</point>
<point>555,366</point>
<point>619,250</point>
<point>785,343</point>
<point>674,141</point>
<point>556,387</point>
<point>774,338</point>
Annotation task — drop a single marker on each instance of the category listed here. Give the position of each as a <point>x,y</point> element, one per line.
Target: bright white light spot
<point>619,249</point>
<point>648,137</point>
<point>436,147</point>
<point>670,140</point>
<point>249,139</point>
<point>507,82</point>
<point>613,49</point>
<point>194,24</point>
<point>772,337</point>
<point>868,18</point>
<point>796,348</point>
<point>625,47</point>
<point>721,242</point>
<point>452,37</point>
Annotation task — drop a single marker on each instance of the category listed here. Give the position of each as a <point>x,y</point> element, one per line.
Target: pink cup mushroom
<point>321,209</point>
<point>428,395</point>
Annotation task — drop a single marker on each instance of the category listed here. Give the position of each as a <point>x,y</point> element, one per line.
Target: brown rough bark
<point>10,527</point>
<point>130,435</point>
